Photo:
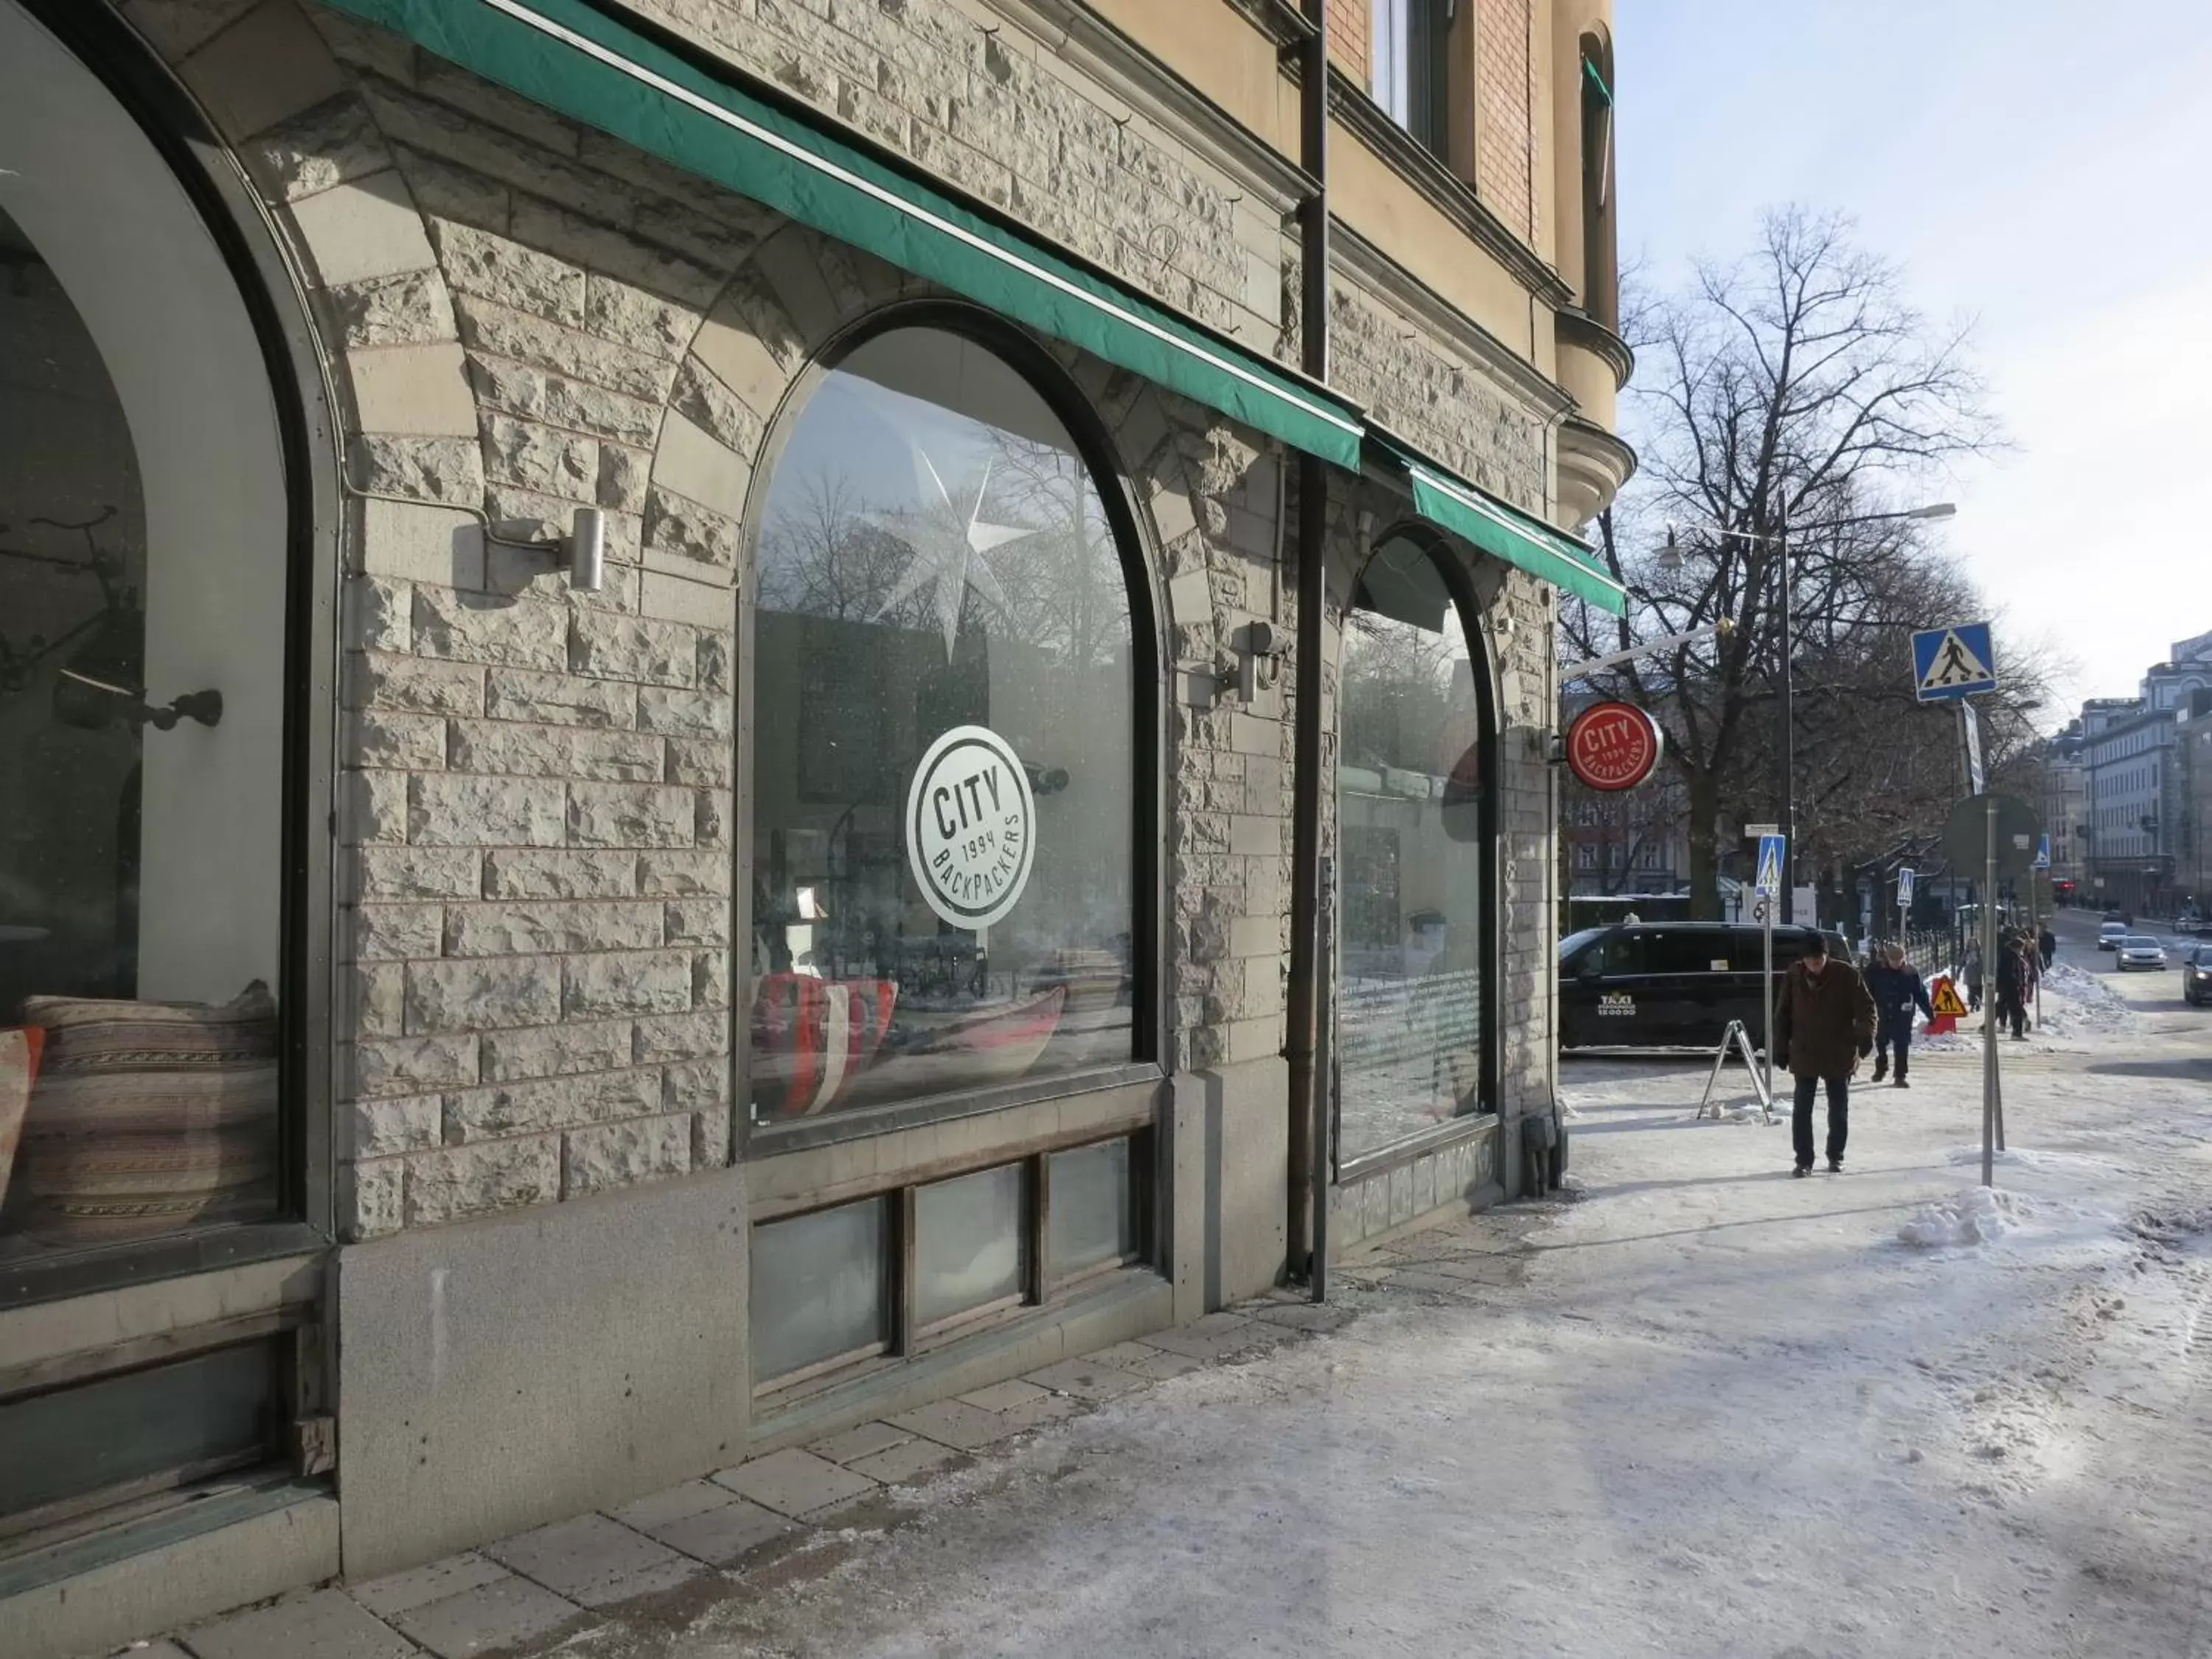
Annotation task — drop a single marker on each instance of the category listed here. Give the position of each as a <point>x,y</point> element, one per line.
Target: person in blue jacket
<point>1897,989</point>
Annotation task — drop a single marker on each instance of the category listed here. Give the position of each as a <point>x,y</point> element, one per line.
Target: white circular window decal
<point>969,826</point>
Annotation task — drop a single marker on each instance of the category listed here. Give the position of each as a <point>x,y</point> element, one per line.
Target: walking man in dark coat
<point>1824,1024</point>
<point>2012,985</point>
<point>1897,988</point>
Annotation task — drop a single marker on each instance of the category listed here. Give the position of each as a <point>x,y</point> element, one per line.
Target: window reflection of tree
<point>1041,652</point>
<point>1402,702</point>
<point>1409,1015</point>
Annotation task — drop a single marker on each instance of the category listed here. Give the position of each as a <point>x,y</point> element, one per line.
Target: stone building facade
<point>562,1118</point>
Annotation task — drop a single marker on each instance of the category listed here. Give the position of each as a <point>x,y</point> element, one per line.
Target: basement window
<point>909,1269</point>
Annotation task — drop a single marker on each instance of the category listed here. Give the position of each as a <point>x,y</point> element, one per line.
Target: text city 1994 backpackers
<point>1613,746</point>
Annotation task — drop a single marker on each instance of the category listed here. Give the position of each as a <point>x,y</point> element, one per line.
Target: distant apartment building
<point>2192,756</point>
<point>1635,841</point>
<point>2134,800</point>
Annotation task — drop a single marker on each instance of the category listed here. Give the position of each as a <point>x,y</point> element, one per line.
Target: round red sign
<point>1613,745</point>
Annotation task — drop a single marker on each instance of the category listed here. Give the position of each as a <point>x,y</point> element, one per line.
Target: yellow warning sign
<point>1944,998</point>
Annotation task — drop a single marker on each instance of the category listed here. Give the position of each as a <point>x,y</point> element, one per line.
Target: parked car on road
<point>2197,973</point>
<point>1669,984</point>
<point>2110,933</point>
<point>2141,950</point>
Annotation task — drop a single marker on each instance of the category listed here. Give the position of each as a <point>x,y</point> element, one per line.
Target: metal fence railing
<point>1930,949</point>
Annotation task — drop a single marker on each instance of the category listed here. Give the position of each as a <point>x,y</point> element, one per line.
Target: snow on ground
<point>2078,1004</point>
<point>1701,1409</point>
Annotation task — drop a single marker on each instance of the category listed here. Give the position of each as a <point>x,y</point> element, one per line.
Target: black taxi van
<point>1669,984</point>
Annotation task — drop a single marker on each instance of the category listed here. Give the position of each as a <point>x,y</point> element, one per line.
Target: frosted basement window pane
<point>968,1238</point>
<point>1091,1221</point>
<point>818,1287</point>
<point>175,1421</point>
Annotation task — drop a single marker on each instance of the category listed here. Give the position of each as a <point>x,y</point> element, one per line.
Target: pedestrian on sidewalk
<point>2012,985</point>
<point>1824,1022</point>
<point>1897,988</point>
<point>2048,945</point>
<point>1971,970</point>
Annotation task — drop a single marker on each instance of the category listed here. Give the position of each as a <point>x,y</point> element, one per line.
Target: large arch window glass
<point>143,560</point>
<point>943,773</point>
<point>1414,830</point>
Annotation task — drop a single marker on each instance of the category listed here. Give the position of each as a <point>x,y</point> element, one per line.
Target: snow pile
<point>2076,1003</point>
<point>1979,1215</point>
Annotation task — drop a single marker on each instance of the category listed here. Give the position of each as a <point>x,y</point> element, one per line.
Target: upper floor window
<point>1407,66</point>
<point>1601,270</point>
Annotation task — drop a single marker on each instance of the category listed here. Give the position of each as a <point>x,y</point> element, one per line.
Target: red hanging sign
<point>1614,745</point>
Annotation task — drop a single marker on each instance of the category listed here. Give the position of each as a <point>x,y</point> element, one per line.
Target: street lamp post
<point>1785,719</point>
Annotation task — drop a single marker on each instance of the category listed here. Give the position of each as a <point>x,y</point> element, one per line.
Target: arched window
<point>145,555</point>
<point>945,864</point>
<point>1416,828</point>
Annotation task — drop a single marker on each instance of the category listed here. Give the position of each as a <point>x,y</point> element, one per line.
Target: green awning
<point>1597,80</point>
<point>1454,504</point>
<point>567,57</point>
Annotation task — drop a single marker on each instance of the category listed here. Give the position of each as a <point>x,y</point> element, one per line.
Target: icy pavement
<point>1702,1409</point>
<point>1705,1410</point>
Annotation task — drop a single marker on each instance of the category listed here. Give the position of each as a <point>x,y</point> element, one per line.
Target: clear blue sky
<point>2035,167</point>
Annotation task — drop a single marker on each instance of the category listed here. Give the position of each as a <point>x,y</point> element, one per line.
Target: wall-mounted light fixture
<point>587,549</point>
<point>1263,642</point>
<point>584,549</point>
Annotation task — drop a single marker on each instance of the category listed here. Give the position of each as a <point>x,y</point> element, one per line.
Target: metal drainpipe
<point>1308,1098</point>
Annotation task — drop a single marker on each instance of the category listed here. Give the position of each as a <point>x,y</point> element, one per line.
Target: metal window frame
<point>1148,793</point>
<point>277,1337</point>
<point>1042,1293</point>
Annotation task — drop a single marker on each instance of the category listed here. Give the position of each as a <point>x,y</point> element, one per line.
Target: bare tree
<point>1780,400</point>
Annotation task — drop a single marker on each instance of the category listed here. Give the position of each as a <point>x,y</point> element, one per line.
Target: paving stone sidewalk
<point>728,1533</point>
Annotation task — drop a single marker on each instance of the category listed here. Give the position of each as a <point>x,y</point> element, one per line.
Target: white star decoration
<point>948,547</point>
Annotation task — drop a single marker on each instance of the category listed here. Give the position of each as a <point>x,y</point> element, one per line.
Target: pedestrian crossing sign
<point>1770,866</point>
<point>1958,661</point>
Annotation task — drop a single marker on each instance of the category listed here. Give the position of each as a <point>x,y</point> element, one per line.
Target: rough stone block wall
<point>1417,388</point>
<point>1505,99</point>
<point>1528,711</point>
<point>537,840</point>
<point>981,105</point>
<point>1230,835</point>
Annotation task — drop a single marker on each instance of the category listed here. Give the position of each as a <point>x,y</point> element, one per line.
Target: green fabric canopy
<point>1452,503</point>
<point>570,58</point>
